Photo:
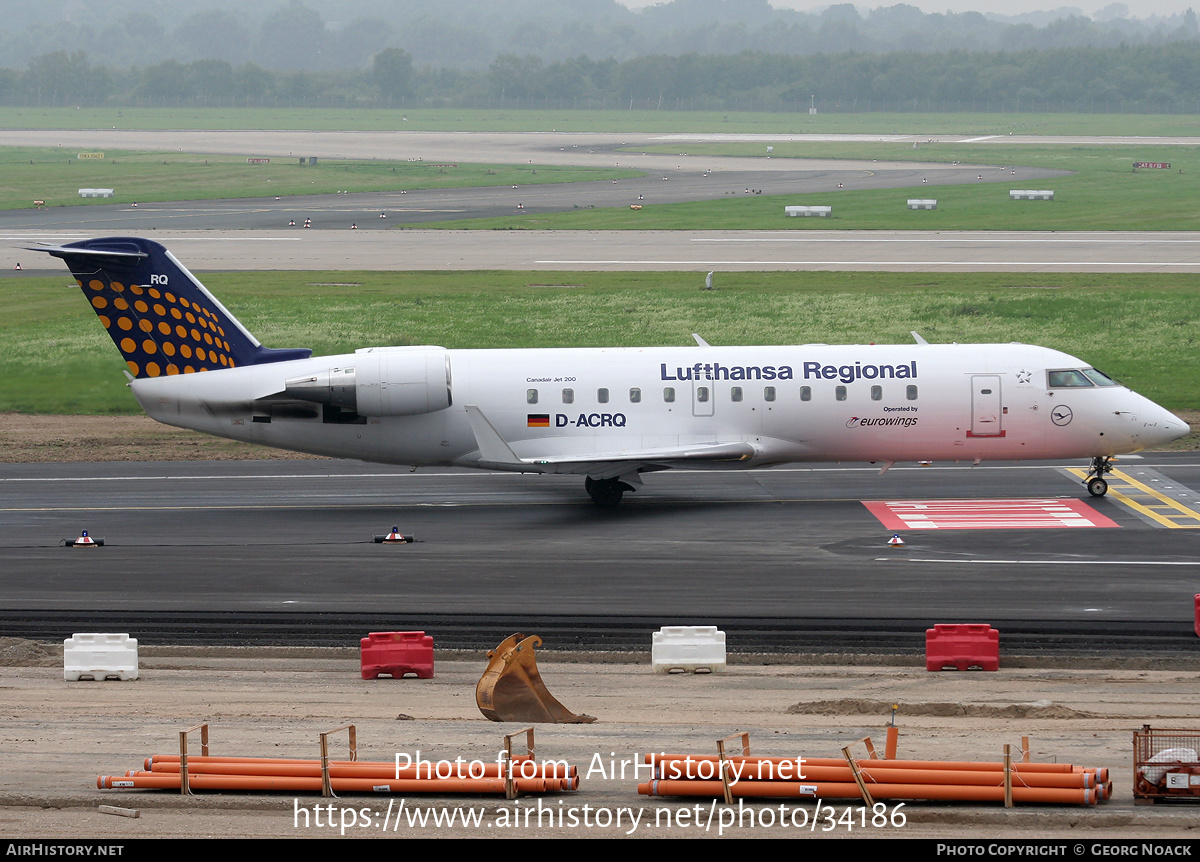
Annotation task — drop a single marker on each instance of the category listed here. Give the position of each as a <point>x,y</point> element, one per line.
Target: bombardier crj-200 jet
<point>607,414</point>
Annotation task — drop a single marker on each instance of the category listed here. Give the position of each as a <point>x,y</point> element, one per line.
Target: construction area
<point>62,738</point>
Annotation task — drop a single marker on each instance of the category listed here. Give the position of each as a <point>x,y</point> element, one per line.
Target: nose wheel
<point>1095,482</point>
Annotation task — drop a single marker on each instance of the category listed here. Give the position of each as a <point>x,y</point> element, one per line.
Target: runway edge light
<point>394,537</point>
<point>84,541</point>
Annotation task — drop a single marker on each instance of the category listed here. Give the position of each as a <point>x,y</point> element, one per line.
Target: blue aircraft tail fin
<point>159,315</point>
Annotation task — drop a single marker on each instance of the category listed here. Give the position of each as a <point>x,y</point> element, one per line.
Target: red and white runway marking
<point>1017,514</point>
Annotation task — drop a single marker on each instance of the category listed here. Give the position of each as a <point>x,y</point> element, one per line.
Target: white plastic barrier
<point>99,656</point>
<point>688,648</point>
<point>820,212</point>
<point>95,193</point>
<point>922,204</point>
<point>1030,194</point>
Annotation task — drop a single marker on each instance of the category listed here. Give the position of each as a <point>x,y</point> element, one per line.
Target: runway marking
<point>1014,514</point>
<point>867,264</point>
<point>1153,504</point>
<point>941,240</point>
<point>24,237</point>
<point>960,561</point>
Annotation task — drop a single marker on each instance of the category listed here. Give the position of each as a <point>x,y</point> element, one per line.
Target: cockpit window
<point>1066,379</point>
<point>1099,377</point>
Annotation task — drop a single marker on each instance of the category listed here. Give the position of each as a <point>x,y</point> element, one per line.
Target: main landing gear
<point>1095,482</point>
<point>606,492</point>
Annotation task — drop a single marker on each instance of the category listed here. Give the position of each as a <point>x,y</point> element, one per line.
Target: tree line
<point>1143,79</point>
<point>470,34</point>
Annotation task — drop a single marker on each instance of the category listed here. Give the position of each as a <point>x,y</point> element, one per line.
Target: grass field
<point>502,120</point>
<point>1144,329</point>
<point>1105,193</point>
<point>55,176</point>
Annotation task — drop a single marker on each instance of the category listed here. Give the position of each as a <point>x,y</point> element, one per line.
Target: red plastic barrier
<point>1197,626</point>
<point>962,647</point>
<point>397,654</point>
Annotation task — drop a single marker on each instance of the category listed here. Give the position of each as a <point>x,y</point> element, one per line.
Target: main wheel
<point>1097,487</point>
<point>604,492</point>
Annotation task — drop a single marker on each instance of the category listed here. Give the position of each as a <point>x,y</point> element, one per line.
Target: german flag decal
<point>538,420</point>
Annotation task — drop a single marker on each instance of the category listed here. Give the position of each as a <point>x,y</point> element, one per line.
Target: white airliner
<point>608,414</point>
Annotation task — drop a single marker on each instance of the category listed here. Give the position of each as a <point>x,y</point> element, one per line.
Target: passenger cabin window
<point>602,396</point>
<point>635,396</point>
<point>568,396</point>
<point>669,394</point>
<point>840,393</point>
<point>806,393</point>
<point>702,394</point>
<point>876,393</point>
<point>735,393</point>
<point>531,396</point>
<point>1068,379</point>
<point>769,393</point>
<point>910,392</point>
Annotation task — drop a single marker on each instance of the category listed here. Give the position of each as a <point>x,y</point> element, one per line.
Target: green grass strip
<point>56,175</point>
<point>556,119</point>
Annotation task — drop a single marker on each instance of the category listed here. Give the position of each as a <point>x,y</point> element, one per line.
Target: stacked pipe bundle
<point>162,771</point>
<point>833,778</point>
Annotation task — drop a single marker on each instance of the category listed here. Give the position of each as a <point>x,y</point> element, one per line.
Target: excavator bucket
<point>511,689</point>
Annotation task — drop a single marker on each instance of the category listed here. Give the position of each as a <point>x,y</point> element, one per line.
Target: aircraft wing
<point>497,454</point>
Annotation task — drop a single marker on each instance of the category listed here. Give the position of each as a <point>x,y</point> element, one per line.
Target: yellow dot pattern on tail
<point>158,332</point>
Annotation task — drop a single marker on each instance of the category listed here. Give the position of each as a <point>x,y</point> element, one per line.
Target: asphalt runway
<point>253,539</point>
<point>624,251</point>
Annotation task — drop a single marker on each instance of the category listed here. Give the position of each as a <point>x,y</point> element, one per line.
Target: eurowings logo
<point>902,421</point>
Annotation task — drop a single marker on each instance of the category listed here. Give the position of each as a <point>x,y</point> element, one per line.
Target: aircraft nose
<point>1164,428</point>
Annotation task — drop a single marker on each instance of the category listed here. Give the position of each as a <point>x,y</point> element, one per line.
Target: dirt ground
<point>58,736</point>
<point>27,439</point>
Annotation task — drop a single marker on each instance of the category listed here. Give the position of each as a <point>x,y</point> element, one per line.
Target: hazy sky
<point>1138,8</point>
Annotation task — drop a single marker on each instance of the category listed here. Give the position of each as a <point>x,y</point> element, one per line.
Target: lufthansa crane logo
<point>1061,415</point>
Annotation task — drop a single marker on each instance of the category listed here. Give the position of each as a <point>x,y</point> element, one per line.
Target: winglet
<point>492,447</point>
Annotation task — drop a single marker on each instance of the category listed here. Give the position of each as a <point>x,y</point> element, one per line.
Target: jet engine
<point>381,381</point>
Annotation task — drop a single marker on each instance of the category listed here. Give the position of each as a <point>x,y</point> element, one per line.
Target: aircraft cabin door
<point>702,397</point>
<point>987,409</point>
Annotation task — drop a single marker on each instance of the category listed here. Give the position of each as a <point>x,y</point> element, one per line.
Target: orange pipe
<point>677,771</point>
<point>965,765</point>
<point>362,770</point>
<point>211,758</point>
<point>841,790</point>
<point>294,784</point>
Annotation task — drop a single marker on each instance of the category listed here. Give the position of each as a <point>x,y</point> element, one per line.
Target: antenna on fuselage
<point>917,337</point>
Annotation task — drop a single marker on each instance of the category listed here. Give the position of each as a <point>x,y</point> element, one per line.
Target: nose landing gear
<point>1095,482</point>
